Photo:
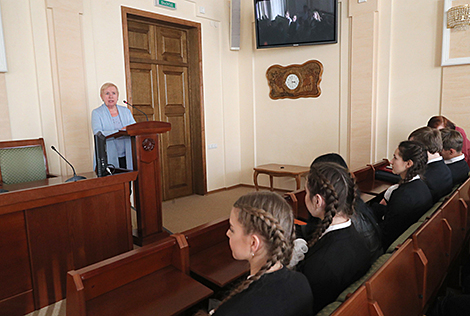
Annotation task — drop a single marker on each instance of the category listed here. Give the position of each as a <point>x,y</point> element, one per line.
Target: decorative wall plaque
<point>295,81</point>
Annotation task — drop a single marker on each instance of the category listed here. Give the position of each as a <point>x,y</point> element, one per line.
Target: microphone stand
<point>75,177</point>
<point>136,109</point>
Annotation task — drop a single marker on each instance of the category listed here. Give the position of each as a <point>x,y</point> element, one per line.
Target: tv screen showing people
<point>295,22</point>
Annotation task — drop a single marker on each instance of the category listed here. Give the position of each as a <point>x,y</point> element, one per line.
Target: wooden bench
<point>296,200</point>
<point>397,287</point>
<point>434,240</point>
<point>464,193</point>
<point>152,280</point>
<point>356,305</point>
<point>410,279</point>
<point>210,256</point>
<point>366,182</point>
<point>454,210</point>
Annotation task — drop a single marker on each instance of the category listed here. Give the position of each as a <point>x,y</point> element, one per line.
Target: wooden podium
<point>148,186</point>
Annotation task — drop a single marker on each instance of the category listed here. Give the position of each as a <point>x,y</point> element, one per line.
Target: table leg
<point>271,182</point>
<point>255,180</point>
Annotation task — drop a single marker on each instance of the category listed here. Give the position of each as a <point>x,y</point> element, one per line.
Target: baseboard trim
<point>281,191</point>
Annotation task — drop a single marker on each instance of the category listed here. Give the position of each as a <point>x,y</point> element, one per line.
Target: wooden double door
<point>160,86</point>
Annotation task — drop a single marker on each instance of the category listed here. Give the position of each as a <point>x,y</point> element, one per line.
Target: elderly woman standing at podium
<point>110,118</point>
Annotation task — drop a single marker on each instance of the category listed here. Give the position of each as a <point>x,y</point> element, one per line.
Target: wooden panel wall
<point>455,79</point>
<point>68,72</point>
<point>5,128</point>
<point>363,81</point>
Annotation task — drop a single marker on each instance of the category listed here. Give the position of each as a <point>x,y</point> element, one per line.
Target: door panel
<point>141,40</point>
<point>143,78</point>
<point>176,145</point>
<point>171,45</point>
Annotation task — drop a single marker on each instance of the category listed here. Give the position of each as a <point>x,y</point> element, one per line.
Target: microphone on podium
<point>136,109</point>
<point>75,177</point>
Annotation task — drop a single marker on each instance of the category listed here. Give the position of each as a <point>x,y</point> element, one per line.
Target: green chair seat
<point>431,211</point>
<point>403,237</point>
<point>374,267</point>
<point>329,309</point>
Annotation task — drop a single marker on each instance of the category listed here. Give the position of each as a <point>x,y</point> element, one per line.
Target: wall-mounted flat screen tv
<point>295,22</point>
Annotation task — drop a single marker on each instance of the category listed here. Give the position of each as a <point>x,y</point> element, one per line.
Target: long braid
<point>317,183</point>
<point>268,215</point>
<point>337,187</point>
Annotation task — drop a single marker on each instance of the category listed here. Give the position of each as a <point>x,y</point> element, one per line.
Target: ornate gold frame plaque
<point>295,81</point>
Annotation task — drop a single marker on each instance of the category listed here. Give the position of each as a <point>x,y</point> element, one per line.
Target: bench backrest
<point>366,173</point>
<point>454,210</point>
<point>356,305</point>
<point>296,200</point>
<point>102,277</point>
<point>434,239</point>
<point>464,193</point>
<point>207,235</point>
<point>397,287</point>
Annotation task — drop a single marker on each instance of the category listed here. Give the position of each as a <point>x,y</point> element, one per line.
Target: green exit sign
<point>166,4</point>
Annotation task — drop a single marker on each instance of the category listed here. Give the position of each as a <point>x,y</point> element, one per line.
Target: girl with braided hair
<point>404,203</point>
<point>338,255</point>
<point>262,232</point>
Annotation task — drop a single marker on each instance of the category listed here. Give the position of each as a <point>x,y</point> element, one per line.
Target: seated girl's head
<point>409,160</point>
<point>440,122</point>
<point>331,157</point>
<point>262,232</point>
<point>330,192</point>
<point>261,229</point>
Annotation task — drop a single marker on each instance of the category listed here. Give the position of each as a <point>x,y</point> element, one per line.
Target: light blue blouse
<point>101,120</point>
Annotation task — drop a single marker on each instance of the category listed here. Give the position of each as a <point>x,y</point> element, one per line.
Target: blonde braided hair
<point>268,215</point>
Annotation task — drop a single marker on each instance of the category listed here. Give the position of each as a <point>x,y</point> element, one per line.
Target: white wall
<point>415,85</point>
<point>248,127</point>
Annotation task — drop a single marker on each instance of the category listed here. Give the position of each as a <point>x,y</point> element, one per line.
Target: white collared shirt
<point>337,226</point>
<point>392,188</point>
<point>454,159</point>
<point>435,159</point>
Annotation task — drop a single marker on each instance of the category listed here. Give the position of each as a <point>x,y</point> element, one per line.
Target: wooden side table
<point>279,170</point>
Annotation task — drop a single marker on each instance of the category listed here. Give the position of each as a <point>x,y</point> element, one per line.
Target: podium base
<point>142,241</point>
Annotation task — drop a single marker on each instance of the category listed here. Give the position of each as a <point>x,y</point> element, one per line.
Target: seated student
<point>363,219</point>
<point>453,156</point>
<point>262,232</point>
<point>441,122</point>
<point>451,305</point>
<point>337,254</point>
<point>404,203</point>
<point>437,175</point>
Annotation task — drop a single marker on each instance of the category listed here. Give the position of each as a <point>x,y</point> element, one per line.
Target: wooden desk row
<point>49,227</point>
<point>202,252</point>
<point>365,180</point>
<point>156,279</point>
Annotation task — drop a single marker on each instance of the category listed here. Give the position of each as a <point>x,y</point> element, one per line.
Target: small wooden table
<point>278,170</point>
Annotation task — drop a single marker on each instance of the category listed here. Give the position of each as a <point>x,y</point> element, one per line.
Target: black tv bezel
<point>335,41</point>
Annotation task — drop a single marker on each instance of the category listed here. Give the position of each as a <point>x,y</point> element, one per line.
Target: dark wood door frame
<point>198,152</point>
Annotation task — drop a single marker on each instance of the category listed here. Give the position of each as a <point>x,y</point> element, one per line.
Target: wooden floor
<point>190,211</point>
